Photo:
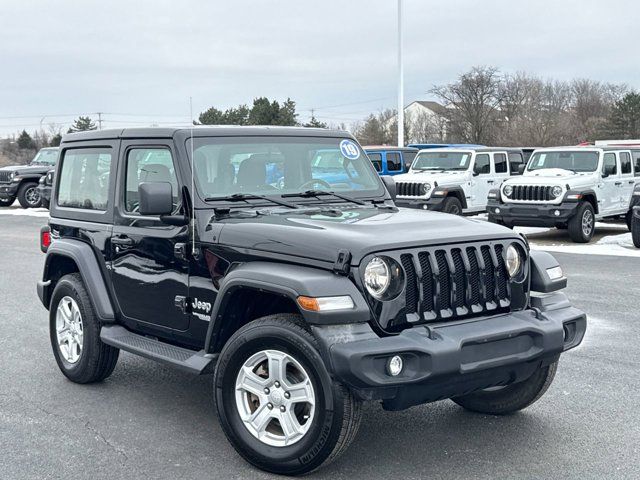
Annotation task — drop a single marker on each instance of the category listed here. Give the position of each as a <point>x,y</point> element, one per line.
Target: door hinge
<point>182,303</point>
<point>342,263</point>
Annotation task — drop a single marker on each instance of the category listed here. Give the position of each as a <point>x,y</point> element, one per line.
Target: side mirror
<point>156,198</point>
<point>608,171</point>
<point>475,173</point>
<point>521,168</point>
<point>390,185</point>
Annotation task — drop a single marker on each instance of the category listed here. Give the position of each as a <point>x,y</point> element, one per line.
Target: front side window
<point>280,165</point>
<point>572,160</point>
<point>393,161</point>
<point>409,157</point>
<point>500,161</point>
<point>442,161</point>
<point>515,160</point>
<point>482,165</point>
<point>376,160</point>
<point>625,163</point>
<point>84,179</point>
<point>148,165</point>
<point>609,164</point>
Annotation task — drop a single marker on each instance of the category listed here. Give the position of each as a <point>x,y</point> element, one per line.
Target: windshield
<point>280,165</point>
<point>441,161</point>
<point>565,159</point>
<point>46,157</point>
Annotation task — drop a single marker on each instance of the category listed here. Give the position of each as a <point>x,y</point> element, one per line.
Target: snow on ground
<point>617,245</point>
<point>26,212</point>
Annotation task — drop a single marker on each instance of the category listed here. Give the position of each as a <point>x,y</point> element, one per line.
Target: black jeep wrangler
<point>275,259</point>
<point>21,181</point>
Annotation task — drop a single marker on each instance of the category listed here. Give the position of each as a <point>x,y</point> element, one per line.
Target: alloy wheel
<point>587,223</point>
<point>69,330</point>
<point>32,196</point>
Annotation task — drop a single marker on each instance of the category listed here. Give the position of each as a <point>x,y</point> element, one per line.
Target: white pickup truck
<point>568,188</point>
<point>456,180</point>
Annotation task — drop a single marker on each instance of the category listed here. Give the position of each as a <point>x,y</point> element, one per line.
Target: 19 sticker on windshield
<point>349,149</point>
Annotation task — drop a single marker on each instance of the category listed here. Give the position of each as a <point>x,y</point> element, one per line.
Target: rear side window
<point>500,161</point>
<point>393,161</point>
<point>84,179</point>
<point>376,159</point>
<point>483,164</point>
<point>515,160</point>
<point>625,163</point>
<point>148,165</point>
<point>636,161</point>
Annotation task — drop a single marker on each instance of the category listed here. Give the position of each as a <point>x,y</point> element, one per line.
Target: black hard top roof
<point>389,148</point>
<point>202,131</point>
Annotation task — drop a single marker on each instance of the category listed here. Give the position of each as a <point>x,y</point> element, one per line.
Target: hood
<point>27,169</point>
<point>442,178</point>
<point>361,231</point>
<point>553,176</point>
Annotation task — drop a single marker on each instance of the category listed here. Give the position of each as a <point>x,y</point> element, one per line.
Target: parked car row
<point>27,183</point>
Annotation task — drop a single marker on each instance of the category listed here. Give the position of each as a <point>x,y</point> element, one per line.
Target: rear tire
<point>510,398</point>
<point>635,230</point>
<point>452,206</point>
<point>334,416</point>
<point>28,195</point>
<point>582,225</point>
<point>629,218</point>
<point>92,360</point>
<point>7,202</point>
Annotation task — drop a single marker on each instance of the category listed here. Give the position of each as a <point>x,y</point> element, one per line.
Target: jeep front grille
<point>5,177</point>
<point>409,189</point>
<point>455,282</point>
<point>532,193</point>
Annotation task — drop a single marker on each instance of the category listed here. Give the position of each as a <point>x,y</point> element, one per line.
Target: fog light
<point>497,211</point>
<point>426,207</point>
<point>394,365</point>
<point>556,213</point>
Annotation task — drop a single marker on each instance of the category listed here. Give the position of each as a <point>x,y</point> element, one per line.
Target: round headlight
<point>377,277</point>
<point>556,191</point>
<point>508,190</point>
<point>425,188</point>
<point>514,262</point>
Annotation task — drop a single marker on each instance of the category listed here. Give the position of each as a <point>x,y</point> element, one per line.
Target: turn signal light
<point>325,304</point>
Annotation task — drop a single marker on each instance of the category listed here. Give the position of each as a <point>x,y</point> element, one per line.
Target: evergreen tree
<point>82,124</point>
<point>314,122</point>
<point>55,140</point>
<point>262,112</point>
<point>624,119</point>
<point>25,142</point>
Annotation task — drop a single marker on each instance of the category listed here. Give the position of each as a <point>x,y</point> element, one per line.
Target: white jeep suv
<point>568,188</point>
<point>456,180</point>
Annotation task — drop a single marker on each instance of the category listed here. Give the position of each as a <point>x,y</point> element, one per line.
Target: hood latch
<point>342,263</point>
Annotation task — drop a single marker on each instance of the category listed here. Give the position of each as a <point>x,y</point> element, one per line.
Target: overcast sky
<point>140,61</point>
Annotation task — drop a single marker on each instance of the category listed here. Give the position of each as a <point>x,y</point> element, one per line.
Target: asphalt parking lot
<point>150,421</point>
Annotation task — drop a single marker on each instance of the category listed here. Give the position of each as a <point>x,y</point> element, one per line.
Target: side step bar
<point>183,358</point>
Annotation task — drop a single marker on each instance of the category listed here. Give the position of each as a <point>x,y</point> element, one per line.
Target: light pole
<point>400,80</point>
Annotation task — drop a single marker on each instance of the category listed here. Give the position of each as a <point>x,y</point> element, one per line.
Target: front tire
<point>582,225</point>
<point>28,195</point>
<point>452,206</point>
<point>635,230</point>
<point>74,331</point>
<point>511,398</point>
<point>263,367</point>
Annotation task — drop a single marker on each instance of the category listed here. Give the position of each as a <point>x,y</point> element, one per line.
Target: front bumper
<point>8,190</point>
<point>450,359</point>
<point>434,204</point>
<point>531,215</point>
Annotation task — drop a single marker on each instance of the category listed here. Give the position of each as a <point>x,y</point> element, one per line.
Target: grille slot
<point>457,282</point>
<point>5,177</point>
<point>408,189</point>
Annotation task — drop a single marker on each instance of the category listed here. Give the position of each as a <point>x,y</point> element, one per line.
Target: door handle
<point>618,184</point>
<point>123,241</point>
<point>631,182</point>
<point>490,181</point>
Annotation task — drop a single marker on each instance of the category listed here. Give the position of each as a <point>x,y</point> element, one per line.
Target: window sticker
<point>463,160</point>
<point>541,159</point>
<point>349,149</point>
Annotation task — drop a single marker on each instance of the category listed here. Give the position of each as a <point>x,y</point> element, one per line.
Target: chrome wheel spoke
<point>251,382</point>
<point>277,366</point>
<point>291,428</point>
<point>260,419</point>
<point>301,393</point>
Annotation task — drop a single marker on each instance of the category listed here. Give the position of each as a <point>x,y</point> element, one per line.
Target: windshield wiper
<point>318,193</point>
<point>243,197</point>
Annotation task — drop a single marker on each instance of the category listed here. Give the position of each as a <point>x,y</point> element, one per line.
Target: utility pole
<point>99,120</point>
<point>400,80</point>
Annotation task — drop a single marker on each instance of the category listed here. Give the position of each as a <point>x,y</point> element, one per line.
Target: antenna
<point>193,193</point>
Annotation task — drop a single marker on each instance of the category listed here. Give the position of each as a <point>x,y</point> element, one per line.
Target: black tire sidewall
<point>317,444</point>
<point>635,231</point>
<point>6,202</point>
<point>575,224</point>
<point>70,286</point>
<point>22,195</point>
<point>452,203</point>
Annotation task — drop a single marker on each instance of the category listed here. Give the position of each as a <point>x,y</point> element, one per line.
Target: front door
<point>148,278</point>
<point>609,188</point>
<point>482,181</point>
